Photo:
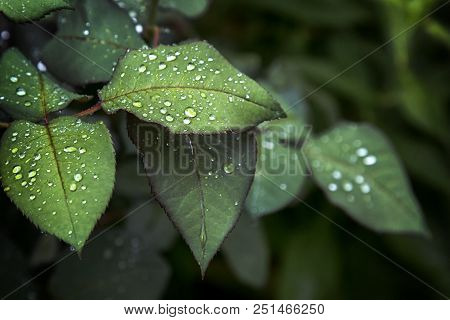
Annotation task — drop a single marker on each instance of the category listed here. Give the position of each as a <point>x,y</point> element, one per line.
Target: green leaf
<point>359,171</point>
<point>89,42</point>
<point>281,170</point>
<point>25,92</point>
<point>200,180</point>
<point>310,265</point>
<point>60,176</point>
<point>190,8</point>
<point>246,251</point>
<point>26,10</point>
<point>113,266</point>
<point>189,88</point>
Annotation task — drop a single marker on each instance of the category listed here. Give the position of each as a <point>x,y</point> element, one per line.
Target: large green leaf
<point>25,92</point>
<point>189,88</point>
<point>113,266</point>
<point>60,176</point>
<point>89,42</point>
<point>281,170</point>
<point>360,172</point>
<point>190,8</point>
<point>201,180</point>
<point>247,252</point>
<point>26,10</point>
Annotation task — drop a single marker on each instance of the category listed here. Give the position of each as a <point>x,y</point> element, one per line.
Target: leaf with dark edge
<point>188,88</point>
<point>60,175</point>
<point>281,168</point>
<point>200,180</point>
<point>27,10</point>
<point>25,92</point>
<point>247,252</point>
<point>89,42</point>
<point>359,171</point>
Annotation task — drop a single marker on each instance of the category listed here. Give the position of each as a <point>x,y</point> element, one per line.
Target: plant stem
<point>4,125</point>
<point>154,29</point>
<point>96,107</point>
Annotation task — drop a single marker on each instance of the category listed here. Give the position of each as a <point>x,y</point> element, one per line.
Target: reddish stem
<point>4,125</point>
<point>156,32</point>
<point>96,107</point>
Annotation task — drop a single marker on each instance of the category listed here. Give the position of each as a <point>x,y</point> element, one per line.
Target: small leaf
<point>113,266</point>
<point>26,10</point>
<point>189,88</point>
<point>280,170</point>
<point>200,180</point>
<point>190,8</point>
<point>60,176</point>
<point>247,252</point>
<point>360,172</point>
<point>89,42</point>
<point>25,92</point>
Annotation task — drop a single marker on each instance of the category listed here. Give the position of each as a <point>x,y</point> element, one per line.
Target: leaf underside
<point>89,42</point>
<point>188,88</point>
<point>60,176</point>
<point>360,172</point>
<point>25,92</point>
<point>200,180</point>
<point>27,10</point>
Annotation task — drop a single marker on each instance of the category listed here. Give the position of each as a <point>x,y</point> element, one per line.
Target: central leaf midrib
<point>53,149</point>
<point>186,88</point>
<point>202,196</point>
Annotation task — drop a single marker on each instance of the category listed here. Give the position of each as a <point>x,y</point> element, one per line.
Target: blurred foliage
<point>296,46</point>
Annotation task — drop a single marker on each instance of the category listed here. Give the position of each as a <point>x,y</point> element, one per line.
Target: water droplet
<point>190,112</point>
<point>16,169</point>
<point>336,174</point>
<point>32,197</point>
<point>190,67</point>
<point>70,149</point>
<point>167,103</point>
<point>86,32</point>
<point>18,176</point>
<point>73,186</point>
<point>365,188</point>
<point>32,174</point>
<point>162,66</point>
<point>13,79</point>
<point>171,57</point>
<point>70,232</point>
<point>332,187</point>
<point>14,150</point>
<point>21,92</point>
<point>359,179</point>
<point>348,186</point>
<point>6,189</point>
<point>163,110</point>
<point>169,118</point>
<point>152,57</point>
<point>27,104</point>
<point>77,177</point>
<point>203,236</point>
<point>283,186</point>
<point>212,117</point>
<point>137,104</point>
<point>370,160</point>
<point>187,121</point>
<point>82,150</point>
<point>361,152</point>
<point>142,69</point>
<point>229,168</point>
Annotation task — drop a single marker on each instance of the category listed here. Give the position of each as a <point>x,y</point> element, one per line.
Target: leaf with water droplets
<point>247,252</point>
<point>281,168</point>
<point>189,88</point>
<point>60,176</point>
<point>89,42</point>
<point>138,10</point>
<point>200,180</point>
<point>26,92</point>
<point>360,172</point>
<point>26,10</point>
<point>190,8</point>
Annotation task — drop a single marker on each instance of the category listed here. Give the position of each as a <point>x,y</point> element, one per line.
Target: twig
<point>96,107</point>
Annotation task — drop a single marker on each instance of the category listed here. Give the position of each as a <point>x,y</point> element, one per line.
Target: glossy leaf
<point>281,168</point>
<point>60,176</point>
<point>200,180</point>
<point>89,42</point>
<point>190,8</point>
<point>113,266</point>
<point>247,252</point>
<point>189,88</point>
<point>25,92</point>
<point>360,172</point>
<point>26,10</point>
